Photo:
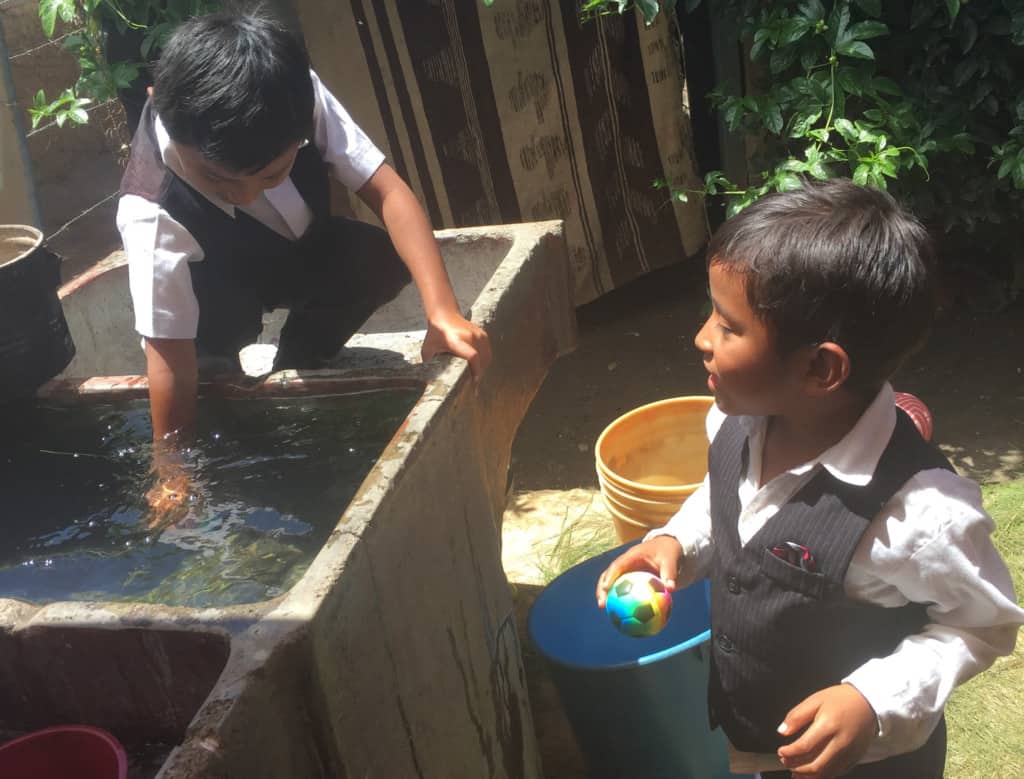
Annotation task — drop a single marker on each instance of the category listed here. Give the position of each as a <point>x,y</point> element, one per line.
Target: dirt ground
<point>636,346</point>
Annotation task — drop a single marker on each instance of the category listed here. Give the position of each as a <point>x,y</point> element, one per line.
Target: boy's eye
<point>725,328</point>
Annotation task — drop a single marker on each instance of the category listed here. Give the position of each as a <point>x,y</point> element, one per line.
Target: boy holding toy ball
<point>854,582</point>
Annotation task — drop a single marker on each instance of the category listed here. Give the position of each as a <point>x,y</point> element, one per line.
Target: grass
<point>986,715</point>
<point>578,540</point>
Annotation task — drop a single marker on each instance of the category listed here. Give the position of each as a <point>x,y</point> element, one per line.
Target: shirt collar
<point>854,458</point>
<point>171,158</point>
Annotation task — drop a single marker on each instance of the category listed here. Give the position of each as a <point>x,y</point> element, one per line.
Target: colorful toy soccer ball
<point>639,604</point>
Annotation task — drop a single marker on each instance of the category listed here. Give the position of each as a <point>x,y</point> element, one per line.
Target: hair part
<point>836,262</point>
<point>236,87</point>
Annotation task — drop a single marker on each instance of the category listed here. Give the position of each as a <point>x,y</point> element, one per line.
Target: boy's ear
<point>827,369</point>
<point>149,91</point>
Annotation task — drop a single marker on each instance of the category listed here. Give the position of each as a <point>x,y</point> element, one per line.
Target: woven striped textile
<point>521,112</point>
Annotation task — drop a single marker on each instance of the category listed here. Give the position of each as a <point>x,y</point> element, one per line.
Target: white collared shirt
<point>929,544</point>
<point>159,248</point>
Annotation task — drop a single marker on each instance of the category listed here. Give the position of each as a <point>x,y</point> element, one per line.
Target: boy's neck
<point>795,438</point>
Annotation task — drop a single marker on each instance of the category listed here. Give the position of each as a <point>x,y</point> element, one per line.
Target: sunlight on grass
<point>986,715</point>
<point>578,540</point>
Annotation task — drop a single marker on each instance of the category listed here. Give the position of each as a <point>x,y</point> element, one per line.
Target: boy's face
<point>747,376</point>
<point>238,189</point>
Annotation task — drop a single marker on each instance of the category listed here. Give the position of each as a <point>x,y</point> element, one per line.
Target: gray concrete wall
<point>397,653</point>
<point>17,191</point>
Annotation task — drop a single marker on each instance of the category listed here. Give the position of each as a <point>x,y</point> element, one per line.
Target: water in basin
<point>273,477</point>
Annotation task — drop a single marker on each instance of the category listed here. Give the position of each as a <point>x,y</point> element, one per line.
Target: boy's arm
<point>172,371</point>
<point>932,545</point>
<point>390,198</point>
<point>173,375</point>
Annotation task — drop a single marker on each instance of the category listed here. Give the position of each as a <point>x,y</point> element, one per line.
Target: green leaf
<point>649,8</point>
<point>812,10</point>
<point>48,16</point>
<point>819,171</point>
<point>861,174</point>
<point>803,123</point>
<point>782,59</point>
<point>953,6</point>
<point>66,10</point>
<point>809,58</point>
<point>863,31</point>
<point>846,129</point>
<point>1006,167</point>
<point>838,21</point>
<point>857,49</point>
<point>853,80</point>
<point>793,30</point>
<point>78,115</point>
<point>968,34</point>
<point>733,114</point>
<point>772,118</point>
<point>788,182</point>
<point>886,86</point>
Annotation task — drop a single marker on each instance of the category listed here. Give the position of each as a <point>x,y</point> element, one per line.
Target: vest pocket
<point>790,577</point>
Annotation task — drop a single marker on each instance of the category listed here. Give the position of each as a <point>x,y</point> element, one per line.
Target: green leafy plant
<point>93,23</point>
<point>921,98</point>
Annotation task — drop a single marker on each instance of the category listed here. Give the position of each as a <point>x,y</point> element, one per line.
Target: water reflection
<point>270,479</point>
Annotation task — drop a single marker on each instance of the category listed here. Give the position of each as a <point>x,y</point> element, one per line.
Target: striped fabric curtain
<point>522,112</point>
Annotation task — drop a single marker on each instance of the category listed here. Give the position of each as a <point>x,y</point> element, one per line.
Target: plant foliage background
<point>923,98</point>
<point>94,24</point>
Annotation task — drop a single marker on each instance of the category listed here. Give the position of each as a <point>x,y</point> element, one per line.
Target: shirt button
<point>725,643</point>
<point>733,585</point>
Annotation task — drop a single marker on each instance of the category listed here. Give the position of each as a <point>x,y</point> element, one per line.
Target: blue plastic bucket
<point>638,706</point>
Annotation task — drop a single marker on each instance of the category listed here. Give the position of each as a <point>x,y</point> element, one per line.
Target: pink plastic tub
<point>64,752</point>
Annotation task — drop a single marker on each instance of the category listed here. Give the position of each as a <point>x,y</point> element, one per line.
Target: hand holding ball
<point>639,604</point>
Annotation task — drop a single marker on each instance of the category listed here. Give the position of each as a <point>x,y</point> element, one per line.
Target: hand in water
<point>175,496</point>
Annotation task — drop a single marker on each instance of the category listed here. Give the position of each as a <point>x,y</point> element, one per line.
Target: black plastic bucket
<point>35,344</point>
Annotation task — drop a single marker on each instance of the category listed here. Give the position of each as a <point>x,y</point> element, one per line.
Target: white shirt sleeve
<point>350,155</point>
<point>931,544</point>
<point>159,250</point>
<point>691,525</point>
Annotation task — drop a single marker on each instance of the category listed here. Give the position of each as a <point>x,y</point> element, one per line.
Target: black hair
<point>236,87</point>
<point>836,262</point>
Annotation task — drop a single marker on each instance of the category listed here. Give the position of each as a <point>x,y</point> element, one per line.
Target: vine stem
<point>114,7</point>
<point>832,90</point>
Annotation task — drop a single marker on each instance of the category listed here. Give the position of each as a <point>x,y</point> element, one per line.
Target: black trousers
<point>928,762</point>
<point>334,278</point>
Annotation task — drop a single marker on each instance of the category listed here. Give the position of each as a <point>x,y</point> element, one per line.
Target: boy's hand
<point>660,556</point>
<point>174,495</point>
<point>840,724</point>
<point>453,333</point>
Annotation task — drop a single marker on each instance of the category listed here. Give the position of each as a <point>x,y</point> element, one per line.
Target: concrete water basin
<point>396,652</point>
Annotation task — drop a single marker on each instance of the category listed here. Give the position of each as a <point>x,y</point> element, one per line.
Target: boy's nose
<point>701,340</point>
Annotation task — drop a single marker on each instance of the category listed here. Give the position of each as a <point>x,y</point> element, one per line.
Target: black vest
<point>241,273</point>
<point>780,633</point>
